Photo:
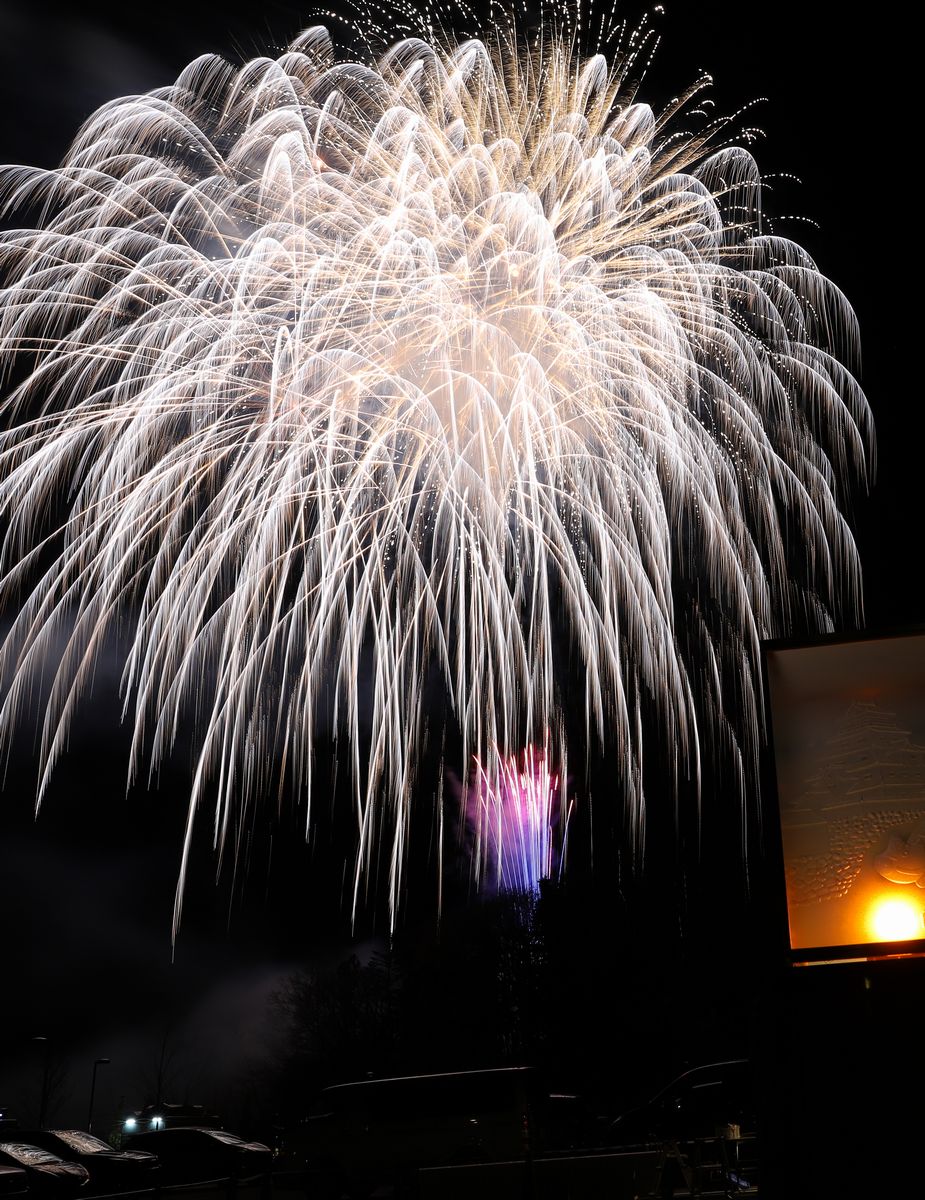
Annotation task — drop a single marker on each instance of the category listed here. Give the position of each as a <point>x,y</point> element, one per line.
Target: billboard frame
<point>770,807</point>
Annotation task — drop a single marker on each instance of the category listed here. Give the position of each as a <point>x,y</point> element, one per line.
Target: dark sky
<point>86,894</point>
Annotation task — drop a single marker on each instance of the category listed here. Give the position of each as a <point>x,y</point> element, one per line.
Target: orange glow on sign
<point>896,919</point>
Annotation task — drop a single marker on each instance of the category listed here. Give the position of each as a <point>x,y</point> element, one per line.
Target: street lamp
<point>46,1063</point>
<point>100,1062</point>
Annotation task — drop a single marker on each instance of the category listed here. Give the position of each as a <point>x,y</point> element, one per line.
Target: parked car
<point>13,1181</point>
<point>699,1103</point>
<point>190,1155</point>
<point>48,1174</point>
<point>358,1135</point>
<point>171,1116</point>
<point>110,1170</point>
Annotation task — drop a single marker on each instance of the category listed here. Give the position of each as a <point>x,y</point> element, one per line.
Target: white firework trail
<point>330,378</point>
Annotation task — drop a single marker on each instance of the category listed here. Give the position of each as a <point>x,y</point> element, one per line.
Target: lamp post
<point>43,1100</point>
<point>100,1062</point>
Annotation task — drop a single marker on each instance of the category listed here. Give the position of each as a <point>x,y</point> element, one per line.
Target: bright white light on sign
<point>896,919</point>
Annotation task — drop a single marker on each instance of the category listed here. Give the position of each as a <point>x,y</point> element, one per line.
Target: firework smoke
<point>406,369</point>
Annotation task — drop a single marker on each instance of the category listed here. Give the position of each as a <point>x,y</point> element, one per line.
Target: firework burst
<point>332,378</point>
<point>521,822</point>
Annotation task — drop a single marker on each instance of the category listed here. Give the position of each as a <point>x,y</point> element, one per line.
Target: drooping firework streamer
<point>331,377</point>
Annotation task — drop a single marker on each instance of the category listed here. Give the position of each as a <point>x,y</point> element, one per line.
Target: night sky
<point>86,893</point>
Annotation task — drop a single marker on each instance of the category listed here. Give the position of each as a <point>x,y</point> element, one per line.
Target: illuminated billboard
<point>848,735</point>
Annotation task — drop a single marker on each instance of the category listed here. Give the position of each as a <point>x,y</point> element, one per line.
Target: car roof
<point>13,1146</point>
<point>175,1129</point>
<point>488,1073</point>
<point>726,1066</point>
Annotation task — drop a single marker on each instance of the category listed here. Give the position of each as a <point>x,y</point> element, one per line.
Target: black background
<point>86,893</point>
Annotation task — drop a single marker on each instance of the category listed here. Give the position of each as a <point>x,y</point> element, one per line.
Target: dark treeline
<point>610,1003</point>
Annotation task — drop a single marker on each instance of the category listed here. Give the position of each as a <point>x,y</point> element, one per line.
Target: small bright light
<point>131,1123</point>
<point>896,919</point>
<point>157,1122</point>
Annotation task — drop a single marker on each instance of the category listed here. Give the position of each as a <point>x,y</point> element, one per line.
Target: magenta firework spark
<point>521,821</point>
